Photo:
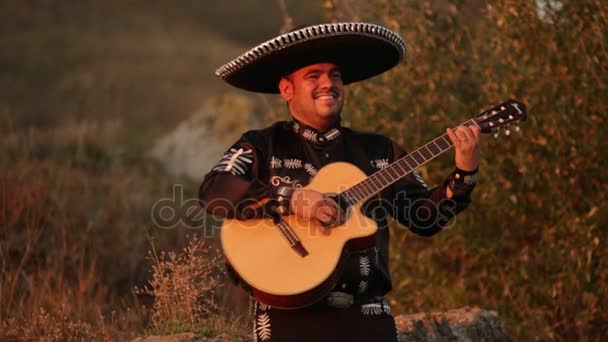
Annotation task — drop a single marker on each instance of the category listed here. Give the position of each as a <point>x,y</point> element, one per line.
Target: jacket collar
<point>315,137</point>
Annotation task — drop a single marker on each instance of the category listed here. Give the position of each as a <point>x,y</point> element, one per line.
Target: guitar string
<point>377,181</point>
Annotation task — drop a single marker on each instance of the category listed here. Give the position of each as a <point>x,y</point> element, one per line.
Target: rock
<point>465,324</point>
<point>196,144</point>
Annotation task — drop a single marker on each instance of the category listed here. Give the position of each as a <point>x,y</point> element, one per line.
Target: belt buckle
<point>340,300</point>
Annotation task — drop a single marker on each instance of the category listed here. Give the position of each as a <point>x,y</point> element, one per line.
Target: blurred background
<point>108,109</point>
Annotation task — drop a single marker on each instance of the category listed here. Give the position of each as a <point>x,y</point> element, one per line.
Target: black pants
<point>360,322</point>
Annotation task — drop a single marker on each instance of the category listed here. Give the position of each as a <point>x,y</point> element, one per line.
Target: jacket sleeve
<point>423,210</point>
<point>233,188</point>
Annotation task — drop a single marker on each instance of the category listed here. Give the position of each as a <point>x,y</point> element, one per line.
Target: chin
<point>329,115</point>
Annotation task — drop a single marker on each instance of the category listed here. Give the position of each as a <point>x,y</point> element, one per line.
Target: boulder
<point>463,325</point>
<point>195,145</point>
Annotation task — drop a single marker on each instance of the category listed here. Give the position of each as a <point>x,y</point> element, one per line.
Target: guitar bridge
<point>290,236</point>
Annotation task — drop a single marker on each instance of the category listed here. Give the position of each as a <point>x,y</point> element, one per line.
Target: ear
<point>286,89</point>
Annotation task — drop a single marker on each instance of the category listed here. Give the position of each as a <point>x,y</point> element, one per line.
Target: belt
<point>344,300</point>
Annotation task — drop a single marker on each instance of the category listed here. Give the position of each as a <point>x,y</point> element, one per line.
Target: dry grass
<point>75,206</point>
<point>184,287</point>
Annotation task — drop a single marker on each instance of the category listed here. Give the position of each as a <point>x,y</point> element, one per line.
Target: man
<point>263,173</point>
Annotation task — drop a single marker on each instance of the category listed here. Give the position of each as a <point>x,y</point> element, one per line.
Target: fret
<point>367,188</point>
<point>426,153</point>
<point>432,146</point>
<point>398,164</point>
<point>443,143</point>
<point>362,190</point>
<point>393,172</point>
<point>418,158</point>
<point>355,198</point>
<point>407,159</point>
<point>383,180</point>
<point>347,199</point>
<point>354,192</point>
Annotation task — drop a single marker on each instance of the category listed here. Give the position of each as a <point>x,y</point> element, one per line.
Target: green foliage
<point>531,244</point>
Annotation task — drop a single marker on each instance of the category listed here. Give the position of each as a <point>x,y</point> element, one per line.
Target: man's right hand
<point>313,205</point>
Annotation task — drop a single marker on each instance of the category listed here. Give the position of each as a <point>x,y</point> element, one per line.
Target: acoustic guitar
<point>290,263</point>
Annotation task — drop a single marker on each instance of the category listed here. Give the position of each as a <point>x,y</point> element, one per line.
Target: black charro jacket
<point>291,154</point>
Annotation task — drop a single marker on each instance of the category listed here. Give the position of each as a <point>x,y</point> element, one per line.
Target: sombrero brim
<point>361,50</point>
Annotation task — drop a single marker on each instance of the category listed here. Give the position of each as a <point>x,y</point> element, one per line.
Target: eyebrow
<point>316,71</point>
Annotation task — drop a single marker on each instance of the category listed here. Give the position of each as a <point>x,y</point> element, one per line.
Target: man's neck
<point>320,124</point>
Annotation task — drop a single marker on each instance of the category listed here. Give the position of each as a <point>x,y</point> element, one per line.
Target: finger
<point>327,209</point>
<point>476,131</point>
<point>324,225</point>
<point>452,135</point>
<point>332,205</point>
<point>324,214</point>
<point>466,133</point>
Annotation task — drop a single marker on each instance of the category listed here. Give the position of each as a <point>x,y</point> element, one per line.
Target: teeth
<point>325,97</point>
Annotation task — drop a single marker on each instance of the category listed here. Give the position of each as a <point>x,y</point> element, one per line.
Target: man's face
<point>315,94</point>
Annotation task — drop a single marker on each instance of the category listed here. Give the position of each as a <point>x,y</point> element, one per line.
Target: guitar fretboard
<point>399,169</point>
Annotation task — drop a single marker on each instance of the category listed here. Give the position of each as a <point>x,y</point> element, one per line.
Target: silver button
<point>326,155</point>
<point>321,139</point>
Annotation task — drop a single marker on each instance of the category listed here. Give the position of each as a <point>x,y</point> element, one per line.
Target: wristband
<point>462,182</point>
<point>284,199</point>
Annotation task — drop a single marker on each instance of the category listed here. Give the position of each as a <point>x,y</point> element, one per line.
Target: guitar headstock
<point>501,116</point>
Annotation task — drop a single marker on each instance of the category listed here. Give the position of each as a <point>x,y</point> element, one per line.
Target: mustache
<point>333,91</point>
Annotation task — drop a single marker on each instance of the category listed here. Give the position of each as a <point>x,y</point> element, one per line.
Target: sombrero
<point>361,50</point>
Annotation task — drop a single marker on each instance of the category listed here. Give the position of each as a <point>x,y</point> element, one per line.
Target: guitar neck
<point>399,169</point>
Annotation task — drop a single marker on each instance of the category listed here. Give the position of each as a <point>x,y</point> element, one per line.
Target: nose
<point>326,81</point>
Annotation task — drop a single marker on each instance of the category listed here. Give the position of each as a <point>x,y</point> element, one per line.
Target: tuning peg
<point>507,132</point>
<point>496,135</point>
<point>517,129</point>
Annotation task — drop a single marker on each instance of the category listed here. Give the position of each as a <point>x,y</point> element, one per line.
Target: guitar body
<point>280,277</point>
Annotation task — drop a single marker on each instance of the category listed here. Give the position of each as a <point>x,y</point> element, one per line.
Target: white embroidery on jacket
<point>419,179</point>
<point>364,265</point>
<point>292,163</point>
<point>275,163</point>
<point>261,325</point>
<point>263,328</point>
<point>363,285</point>
<point>332,134</point>
<point>376,308</point>
<point>235,161</point>
<point>310,135</point>
<point>380,163</point>
<point>310,169</point>
<point>372,309</point>
<point>280,181</point>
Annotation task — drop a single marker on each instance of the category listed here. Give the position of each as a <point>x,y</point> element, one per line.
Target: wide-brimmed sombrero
<point>361,50</point>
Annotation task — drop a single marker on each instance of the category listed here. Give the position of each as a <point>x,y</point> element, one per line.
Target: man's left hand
<point>466,145</point>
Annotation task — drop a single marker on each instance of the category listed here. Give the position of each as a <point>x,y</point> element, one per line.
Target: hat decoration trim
<point>310,33</point>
